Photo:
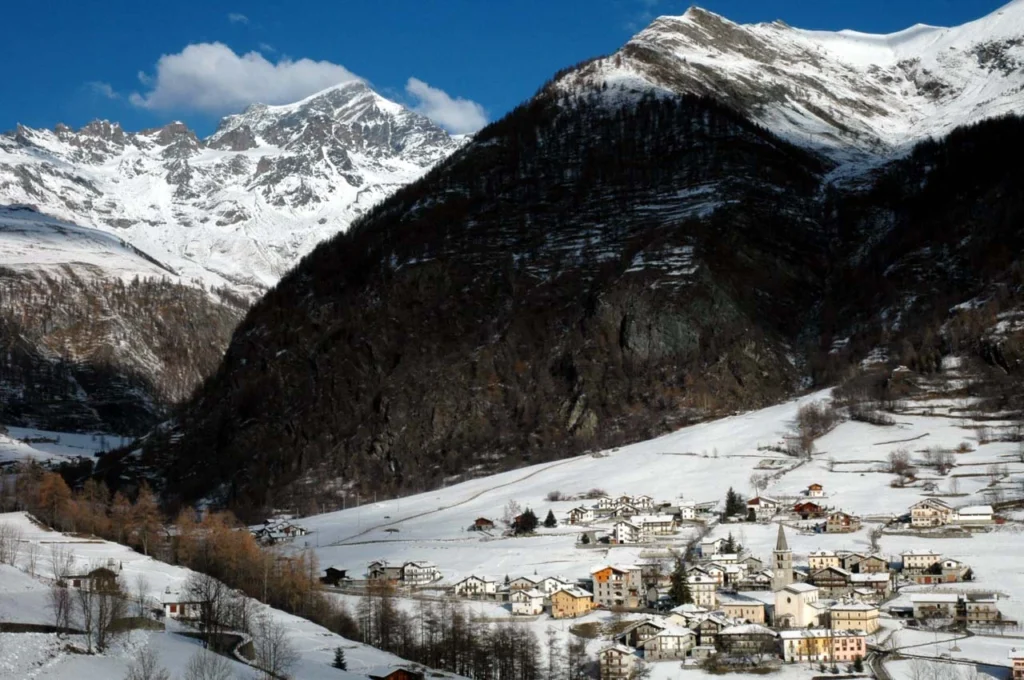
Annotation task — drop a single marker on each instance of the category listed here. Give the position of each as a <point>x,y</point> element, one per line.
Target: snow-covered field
<point>24,443</point>
<point>23,599</point>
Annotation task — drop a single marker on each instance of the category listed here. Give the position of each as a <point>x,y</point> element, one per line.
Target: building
<point>685,614</point>
<point>930,512</point>
<point>795,606</point>
<point>605,503</point>
<point>935,606</point>
<point>643,502</point>
<point>866,564</point>
<point>832,582</point>
<point>763,508</point>
<point>974,515</point>
<point>981,609</point>
<point>782,562</point>
<point>399,674</point>
<point>618,586</point>
<point>919,561</point>
<point>381,571</point>
<point>638,631</point>
<point>842,523</point>
<point>809,510</point>
<point>522,583</point>
<point>333,576</point>
<point>581,515</point>
<point>823,645</point>
<point>708,627</point>
<point>710,547</point>
<point>703,589</point>
<point>549,585</point>
<point>815,491</point>
<point>823,559</point>
<point>482,524</point>
<point>749,640</point>
<point>419,573</point>
<point>617,662</point>
<point>99,579</point>
<point>686,512</point>
<point>855,616</point>
<point>180,607</point>
<point>654,525</point>
<point>527,602</point>
<point>625,532</point>
<point>673,642</point>
<point>474,586</point>
<point>1017,661</point>
<point>569,603</point>
<point>878,584</point>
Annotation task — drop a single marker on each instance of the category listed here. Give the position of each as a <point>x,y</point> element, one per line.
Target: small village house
<point>815,491</point>
<point>381,571</point>
<point>919,561</point>
<point>879,584</point>
<point>617,662</point>
<point>842,523</point>
<point>98,579</point>
<point>822,559</point>
<point>638,631</point>
<point>710,547</point>
<point>1017,662</point>
<point>823,646</point>
<point>855,616</point>
<point>399,674</point>
<point>581,515</point>
<point>673,642</point>
<point>522,583</point>
<point>748,640</point>
<point>703,589</point>
<point>685,614</point>
<point>974,515</point>
<point>178,606</point>
<point>419,573</point>
<point>930,512</point>
<point>527,602</point>
<point>569,603</point>
<point>809,510</point>
<point>333,576</point>
<point>475,586</point>
<point>935,606</point>
<point>482,524</point>
<point>708,627</point>
<point>832,582</point>
<point>762,508</point>
<point>625,532</point>
<point>741,608</point>
<point>981,609</point>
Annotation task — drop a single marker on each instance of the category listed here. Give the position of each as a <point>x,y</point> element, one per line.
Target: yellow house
<point>855,616</point>
<point>742,608</point>
<point>568,603</point>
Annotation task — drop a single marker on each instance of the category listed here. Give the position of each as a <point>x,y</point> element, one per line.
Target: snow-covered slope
<point>875,93</point>
<point>243,205</point>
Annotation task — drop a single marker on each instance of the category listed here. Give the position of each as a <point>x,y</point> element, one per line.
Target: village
<point>709,601</point>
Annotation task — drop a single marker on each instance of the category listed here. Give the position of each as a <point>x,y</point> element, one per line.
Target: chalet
<point>381,571</point>
<point>756,580</point>
<point>854,616</point>
<point>581,515</point>
<point>832,582</point>
<point>741,608</point>
<point>482,524</point>
<point>99,579</point>
<point>980,609</point>
<point>571,603</point>
<point>643,502</point>
<point>617,662</point>
<point>866,564</point>
<point>930,512</point>
<point>399,674</point>
<point>333,576</point>
<point>822,559</point>
<point>624,499</point>
<point>708,627</point>
<point>655,525</point>
<point>974,515</point>
<point>673,642</point>
<point>880,584</point>
<point>553,583</point>
<point>605,503</point>
<point>180,607</point>
<point>638,631</point>
<point>943,571</point>
<point>752,563</point>
<point>527,602</point>
<point>747,640</point>
<point>809,510</point>
<point>842,523</point>
<point>277,531</point>
<point>918,561</point>
<point>815,491</point>
<point>823,645</point>
<point>762,508</point>
<point>685,614</point>
<point>419,573</point>
<point>474,586</point>
<point>522,583</point>
<point>624,511</point>
<point>685,512</point>
<point>618,586</point>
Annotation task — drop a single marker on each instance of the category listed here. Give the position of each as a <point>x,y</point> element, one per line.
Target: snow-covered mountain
<point>241,207</point>
<point>831,91</point>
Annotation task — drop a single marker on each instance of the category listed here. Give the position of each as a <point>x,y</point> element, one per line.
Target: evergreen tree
<point>339,659</point>
<point>585,540</point>
<point>680,591</point>
<point>550,521</point>
<point>734,503</point>
<point>858,664</point>
<point>730,544</point>
<point>526,523</point>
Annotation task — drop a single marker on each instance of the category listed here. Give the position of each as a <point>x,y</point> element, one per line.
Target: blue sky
<point>464,61</point>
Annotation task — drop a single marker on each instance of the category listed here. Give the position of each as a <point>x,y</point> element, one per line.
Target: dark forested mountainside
<point>84,354</point>
<point>579,277</point>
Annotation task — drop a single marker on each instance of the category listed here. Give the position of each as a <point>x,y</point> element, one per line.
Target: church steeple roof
<point>781,545</point>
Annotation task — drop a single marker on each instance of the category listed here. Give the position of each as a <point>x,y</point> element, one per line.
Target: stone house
<point>749,640</point>
<point>833,582</point>
<point>708,627</point>
<point>673,642</point>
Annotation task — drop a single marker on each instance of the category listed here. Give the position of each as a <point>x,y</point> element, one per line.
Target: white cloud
<point>238,18</point>
<point>267,47</point>
<point>211,78</point>
<point>456,115</point>
<point>103,89</point>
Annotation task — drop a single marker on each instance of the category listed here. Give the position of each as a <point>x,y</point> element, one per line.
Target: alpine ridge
<point>660,236</point>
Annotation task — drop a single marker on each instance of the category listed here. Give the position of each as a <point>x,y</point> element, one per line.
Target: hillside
<point>595,269</point>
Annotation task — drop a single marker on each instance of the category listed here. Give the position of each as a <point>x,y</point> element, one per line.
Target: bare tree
<point>275,655</point>
<point>512,510</point>
<point>62,561</point>
<point>874,538</point>
<point>954,486</point>
<point>84,608</point>
<point>140,592</point>
<point>759,483</point>
<point>60,606</point>
<point>212,597</point>
<point>206,665</point>
<point>146,666</point>
<point>99,602</point>
<point>31,557</point>
<point>899,462</point>
<point>10,538</point>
